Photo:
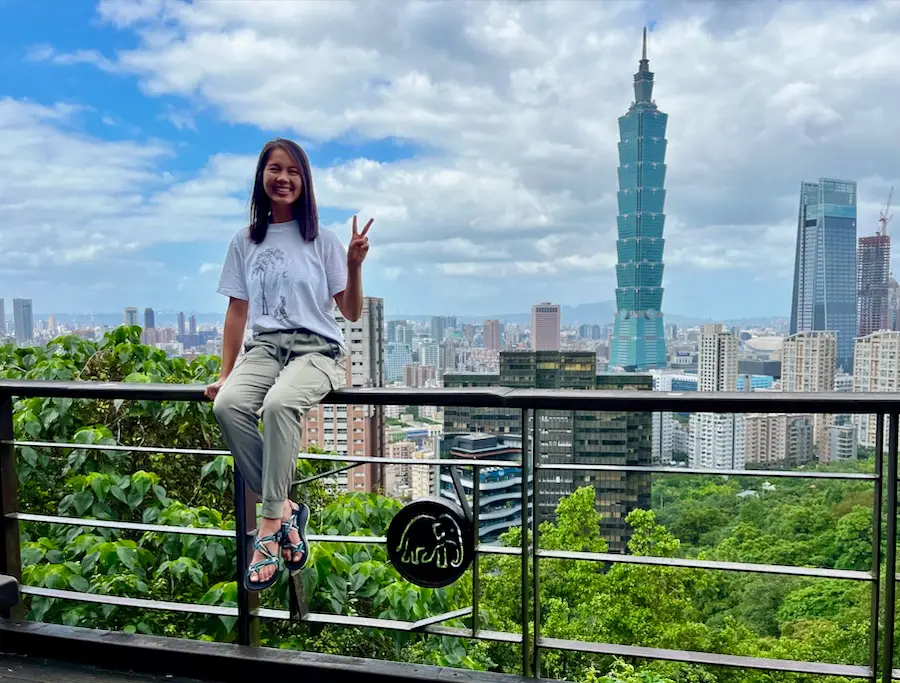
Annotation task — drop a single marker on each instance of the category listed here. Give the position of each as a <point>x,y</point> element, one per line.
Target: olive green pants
<point>278,379</point>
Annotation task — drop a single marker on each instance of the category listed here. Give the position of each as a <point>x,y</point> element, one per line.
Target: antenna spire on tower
<point>644,53</point>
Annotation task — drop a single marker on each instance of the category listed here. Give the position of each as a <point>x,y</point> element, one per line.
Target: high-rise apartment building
<point>808,364</point>
<point>638,339</point>
<point>876,369</point>
<point>490,332</point>
<point>131,316</point>
<point>717,439</point>
<point>149,319</point>
<point>779,440</point>
<point>570,436</point>
<point>23,320</point>
<point>356,430</point>
<point>545,324</point>
<point>825,287</point>
<point>873,275</point>
<point>416,375</point>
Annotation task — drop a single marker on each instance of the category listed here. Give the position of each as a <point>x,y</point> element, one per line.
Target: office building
<point>808,364</point>
<point>825,288</point>
<point>396,357</point>
<point>23,320</point>
<point>2,319</point>
<point>545,325</point>
<point>149,319</point>
<point>717,439</point>
<point>638,340</point>
<point>131,316</point>
<point>356,430</point>
<point>873,275</point>
<point>611,437</point>
<point>193,325</point>
<point>490,332</point>
<point>438,328</point>
<point>182,330</point>
<point>876,369</point>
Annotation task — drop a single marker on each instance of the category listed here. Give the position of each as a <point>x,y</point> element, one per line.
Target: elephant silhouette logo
<point>430,540</point>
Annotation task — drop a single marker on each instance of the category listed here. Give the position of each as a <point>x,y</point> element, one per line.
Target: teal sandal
<point>268,558</point>
<point>297,522</point>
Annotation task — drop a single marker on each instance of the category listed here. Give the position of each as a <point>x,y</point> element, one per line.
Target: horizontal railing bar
<point>140,603</point>
<point>708,658</point>
<point>496,397</point>
<point>440,618</point>
<point>496,636</point>
<point>119,447</point>
<point>787,474</point>
<point>118,524</point>
<point>490,549</point>
<point>783,569</point>
<point>361,459</point>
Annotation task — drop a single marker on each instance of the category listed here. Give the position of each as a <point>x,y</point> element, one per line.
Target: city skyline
<point>488,163</point>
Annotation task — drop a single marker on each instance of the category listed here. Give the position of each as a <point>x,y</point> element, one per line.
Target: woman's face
<point>281,178</point>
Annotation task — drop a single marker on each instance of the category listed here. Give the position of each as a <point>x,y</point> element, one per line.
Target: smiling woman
<point>284,277</point>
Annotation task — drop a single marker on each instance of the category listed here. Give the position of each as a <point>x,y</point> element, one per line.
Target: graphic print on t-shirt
<point>266,268</point>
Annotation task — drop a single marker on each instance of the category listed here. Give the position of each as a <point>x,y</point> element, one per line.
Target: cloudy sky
<point>481,136</point>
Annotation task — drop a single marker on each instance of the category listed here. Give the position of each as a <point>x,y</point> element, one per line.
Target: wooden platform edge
<point>220,662</point>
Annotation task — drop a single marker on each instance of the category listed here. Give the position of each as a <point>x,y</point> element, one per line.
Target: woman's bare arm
<point>233,335</point>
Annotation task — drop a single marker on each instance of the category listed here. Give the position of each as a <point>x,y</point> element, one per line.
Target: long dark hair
<point>304,209</point>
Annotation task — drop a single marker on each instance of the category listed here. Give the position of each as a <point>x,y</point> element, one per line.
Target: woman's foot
<point>262,570</point>
<point>293,529</point>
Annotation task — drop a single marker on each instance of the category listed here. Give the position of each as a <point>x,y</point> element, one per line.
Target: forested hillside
<point>798,522</point>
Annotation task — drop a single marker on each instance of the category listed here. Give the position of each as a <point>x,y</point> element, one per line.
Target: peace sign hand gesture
<point>359,245</point>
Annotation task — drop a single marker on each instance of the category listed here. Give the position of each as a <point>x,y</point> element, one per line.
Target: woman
<point>282,276</point>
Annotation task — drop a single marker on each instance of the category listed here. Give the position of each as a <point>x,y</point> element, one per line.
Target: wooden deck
<point>24,669</point>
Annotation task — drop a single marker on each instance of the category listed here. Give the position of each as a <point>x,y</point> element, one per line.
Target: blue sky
<point>481,136</point>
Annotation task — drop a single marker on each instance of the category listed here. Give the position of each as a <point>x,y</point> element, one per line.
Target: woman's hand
<point>359,245</point>
<point>213,389</point>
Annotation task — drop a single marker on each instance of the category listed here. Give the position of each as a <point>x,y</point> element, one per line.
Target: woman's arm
<point>350,301</point>
<point>233,334</point>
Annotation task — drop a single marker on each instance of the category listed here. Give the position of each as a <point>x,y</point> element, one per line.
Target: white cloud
<point>515,105</point>
<point>206,268</point>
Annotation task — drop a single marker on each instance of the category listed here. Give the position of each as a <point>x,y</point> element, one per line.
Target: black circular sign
<point>430,542</point>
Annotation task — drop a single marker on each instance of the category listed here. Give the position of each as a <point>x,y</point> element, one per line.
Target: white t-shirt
<point>290,283</point>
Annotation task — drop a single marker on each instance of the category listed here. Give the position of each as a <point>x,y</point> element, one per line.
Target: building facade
<point>825,287</point>
<point>490,334</point>
<point>23,320</point>
<point>873,275</point>
<point>638,340</point>
<point>808,364</point>
<point>569,437</point>
<point>717,439</point>
<point>778,440</point>
<point>876,369</point>
<point>356,430</point>
<point>131,316</point>
<point>149,319</point>
<point>545,327</point>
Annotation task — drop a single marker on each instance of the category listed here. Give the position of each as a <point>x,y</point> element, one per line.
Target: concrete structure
<point>545,325</point>
<point>638,340</point>
<point>416,376</point>
<point>359,429</point>
<point>873,275</point>
<point>825,277</point>
<point>131,316</point>
<point>396,357</point>
<point>490,333</point>
<point>778,440</point>
<point>842,441</point>
<point>808,364</point>
<point>717,439</point>
<point>876,368</point>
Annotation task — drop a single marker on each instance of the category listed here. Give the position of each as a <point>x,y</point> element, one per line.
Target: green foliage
<point>795,522</point>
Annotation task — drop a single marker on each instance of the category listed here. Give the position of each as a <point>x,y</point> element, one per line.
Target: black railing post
<point>11,558</point>
<point>526,645</point>
<point>874,630</point>
<point>245,524</point>
<point>535,543</point>
<point>890,569</point>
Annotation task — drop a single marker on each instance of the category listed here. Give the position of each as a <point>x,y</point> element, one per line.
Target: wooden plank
<point>10,554</point>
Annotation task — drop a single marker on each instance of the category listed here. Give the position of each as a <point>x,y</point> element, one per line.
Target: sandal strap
<point>256,566</point>
<point>260,544</point>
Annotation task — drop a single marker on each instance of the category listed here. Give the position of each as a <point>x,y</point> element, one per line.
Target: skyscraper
<point>873,275</point>
<point>181,329</point>
<point>491,334</point>
<point>825,264</point>
<point>131,318</point>
<point>23,319</point>
<point>638,339</point>
<point>2,319</point>
<point>149,319</point>
<point>192,324</point>
<point>545,322</point>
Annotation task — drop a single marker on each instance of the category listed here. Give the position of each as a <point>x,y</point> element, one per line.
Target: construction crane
<point>886,214</point>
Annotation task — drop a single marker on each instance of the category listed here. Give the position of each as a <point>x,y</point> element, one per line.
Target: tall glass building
<point>639,341</point>
<point>825,264</point>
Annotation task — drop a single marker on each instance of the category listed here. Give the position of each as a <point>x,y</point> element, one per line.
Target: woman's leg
<point>237,408</point>
<point>305,381</point>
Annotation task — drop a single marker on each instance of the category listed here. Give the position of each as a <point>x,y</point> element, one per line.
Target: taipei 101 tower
<point>638,341</point>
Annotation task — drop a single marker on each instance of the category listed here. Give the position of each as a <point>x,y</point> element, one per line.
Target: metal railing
<point>527,402</point>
